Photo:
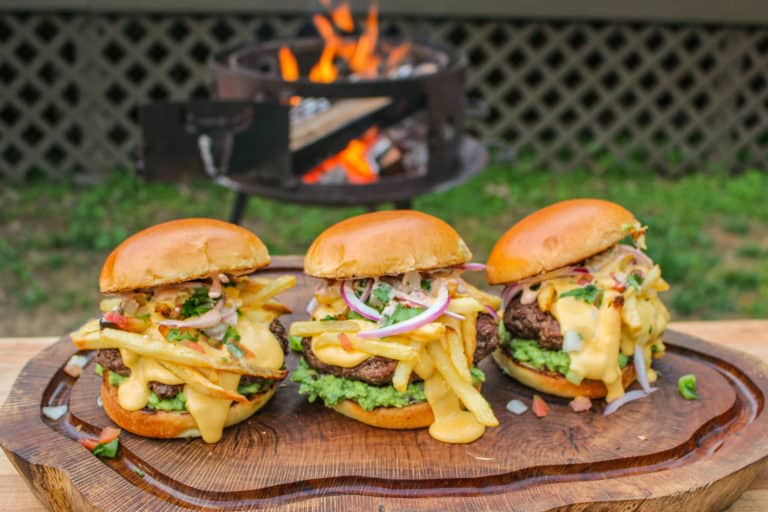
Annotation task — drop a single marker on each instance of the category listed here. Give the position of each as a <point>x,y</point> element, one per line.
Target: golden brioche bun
<point>396,418</point>
<point>385,243</point>
<point>168,425</point>
<point>181,250</point>
<point>560,234</point>
<point>554,383</point>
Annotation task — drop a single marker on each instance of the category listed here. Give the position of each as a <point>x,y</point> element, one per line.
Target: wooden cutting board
<point>654,454</point>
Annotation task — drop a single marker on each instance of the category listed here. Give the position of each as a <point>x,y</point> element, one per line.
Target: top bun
<point>560,234</point>
<point>385,243</point>
<point>181,250</point>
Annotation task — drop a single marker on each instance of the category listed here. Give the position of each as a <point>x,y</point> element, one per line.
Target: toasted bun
<point>167,425</point>
<point>396,418</point>
<point>385,243</point>
<point>181,250</point>
<point>558,235</point>
<point>554,383</point>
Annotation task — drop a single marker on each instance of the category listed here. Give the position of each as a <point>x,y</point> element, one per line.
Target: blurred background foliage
<point>709,232</point>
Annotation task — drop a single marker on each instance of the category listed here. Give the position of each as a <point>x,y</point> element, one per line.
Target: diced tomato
<point>580,404</point>
<point>346,344</point>
<point>585,279</point>
<point>116,318</point>
<point>539,406</point>
<point>620,287</point>
<point>88,442</point>
<point>126,323</point>
<point>108,434</point>
<point>73,370</point>
<point>195,346</point>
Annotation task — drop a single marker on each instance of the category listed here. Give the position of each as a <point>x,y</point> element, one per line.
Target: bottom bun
<point>554,383</point>
<point>398,418</point>
<point>168,425</point>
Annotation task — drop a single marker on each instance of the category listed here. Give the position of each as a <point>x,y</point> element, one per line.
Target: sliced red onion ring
<point>640,368</point>
<point>423,304</point>
<point>430,314</point>
<point>356,305</point>
<point>628,397</point>
<point>204,321</point>
<point>312,305</point>
<point>492,312</point>
<point>639,255</point>
<point>581,270</point>
<point>472,266</point>
<point>367,291</point>
<point>509,293</point>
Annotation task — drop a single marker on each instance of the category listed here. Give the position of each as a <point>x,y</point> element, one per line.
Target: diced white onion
<point>311,306</point>
<point>55,412</point>
<point>78,360</point>
<point>572,341</point>
<point>516,407</point>
<point>99,401</point>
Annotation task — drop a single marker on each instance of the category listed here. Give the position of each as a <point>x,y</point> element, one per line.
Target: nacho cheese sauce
<point>258,344</point>
<point>625,316</point>
<point>453,340</point>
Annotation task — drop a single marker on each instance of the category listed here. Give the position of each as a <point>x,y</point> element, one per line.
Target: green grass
<point>709,232</point>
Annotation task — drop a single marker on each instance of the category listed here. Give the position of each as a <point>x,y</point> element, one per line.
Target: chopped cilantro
<point>108,450</point>
<point>381,294</point>
<point>251,388</point>
<point>687,386</point>
<point>635,280</point>
<point>590,294</point>
<point>144,316</point>
<point>354,315</point>
<point>329,318</point>
<point>197,304</point>
<point>99,370</point>
<point>401,314</point>
<point>623,360</point>
<point>235,350</point>
<point>426,285</point>
<point>139,472</point>
<point>179,335</point>
<point>295,342</point>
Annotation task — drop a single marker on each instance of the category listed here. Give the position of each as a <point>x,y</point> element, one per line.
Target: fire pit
<point>359,120</point>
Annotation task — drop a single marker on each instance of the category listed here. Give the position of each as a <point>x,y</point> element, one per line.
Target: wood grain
<point>262,445</point>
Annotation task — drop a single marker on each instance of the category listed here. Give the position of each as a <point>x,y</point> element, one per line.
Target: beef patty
<point>527,321</point>
<point>379,370</point>
<point>111,360</point>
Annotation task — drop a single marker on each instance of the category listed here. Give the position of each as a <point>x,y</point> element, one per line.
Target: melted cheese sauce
<point>608,329</point>
<point>452,423</point>
<point>210,413</point>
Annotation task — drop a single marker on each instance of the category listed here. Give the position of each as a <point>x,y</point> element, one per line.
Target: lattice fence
<point>673,98</point>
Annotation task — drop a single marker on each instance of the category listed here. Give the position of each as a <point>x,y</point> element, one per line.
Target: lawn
<point>709,232</point>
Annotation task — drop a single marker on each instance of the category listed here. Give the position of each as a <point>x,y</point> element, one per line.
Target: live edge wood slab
<point>656,454</point>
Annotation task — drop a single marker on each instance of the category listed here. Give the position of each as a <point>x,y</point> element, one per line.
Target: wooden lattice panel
<point>672,98</point>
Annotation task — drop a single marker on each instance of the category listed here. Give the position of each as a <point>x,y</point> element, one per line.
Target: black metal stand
<point>238,208</point>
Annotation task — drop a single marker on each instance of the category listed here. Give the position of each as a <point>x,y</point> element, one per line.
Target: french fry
<point>396,351</point>
<point>428,332</point>
<point>313,328</point>
<point>481,296</point>
<point>424,367</point>
<point>86,335</point>
<point>457,355</point>
<point>469,335</point>
<point>403,375</point>
<point>469,396</point>
<point>201,384</point>
<point>179,354</point>
<point>465,306</point>
<point>274,287</point>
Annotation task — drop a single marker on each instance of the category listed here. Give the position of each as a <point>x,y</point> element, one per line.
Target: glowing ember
<point>353,160</point>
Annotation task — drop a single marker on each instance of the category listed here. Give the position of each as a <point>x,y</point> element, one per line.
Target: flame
<point>397,55</point>
<point>324,70</point>
<point>342,17</point>
<point>289,69</point>
<point>364,61</point>
<point>353,160</point>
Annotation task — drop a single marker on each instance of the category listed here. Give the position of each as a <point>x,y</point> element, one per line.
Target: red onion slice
<point>432,313</point>
<point>356,305</point>
<point>367,291</point>
<point>312,305</point>
<point>472,267</point>
<point>204,321</point>
<point>492,312</point>
<point>422,304</point>
<point>640,368</point>
<point>628,397</point>
<point>509,293</point>
<point>639,255</point>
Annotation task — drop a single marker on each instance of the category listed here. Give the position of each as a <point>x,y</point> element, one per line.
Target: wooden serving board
<point>654,454</point>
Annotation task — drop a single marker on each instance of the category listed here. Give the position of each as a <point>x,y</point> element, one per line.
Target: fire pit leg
<point>405,204</point>
<point>238,208</point>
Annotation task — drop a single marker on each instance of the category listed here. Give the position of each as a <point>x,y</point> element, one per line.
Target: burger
<point>395,331</point>
<point>581,313</point>
<point>188,343</point>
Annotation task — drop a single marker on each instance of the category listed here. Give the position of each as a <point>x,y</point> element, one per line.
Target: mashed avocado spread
<point>177,403</point>
<point>530,353</point>
<point>333,390</point>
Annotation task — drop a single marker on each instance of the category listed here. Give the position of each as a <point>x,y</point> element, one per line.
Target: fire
<point>352,160</point>
<point>288,66</point>
<point>342,17</point>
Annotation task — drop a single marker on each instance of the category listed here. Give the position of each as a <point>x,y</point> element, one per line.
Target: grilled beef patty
<point>527,321</point>
<point>379,370</point>
<point>111,360</point>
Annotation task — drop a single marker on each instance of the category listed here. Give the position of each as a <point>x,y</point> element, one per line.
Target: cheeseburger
<point>581,315</point>
<point>395,331</point>
<point>187,343</point>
